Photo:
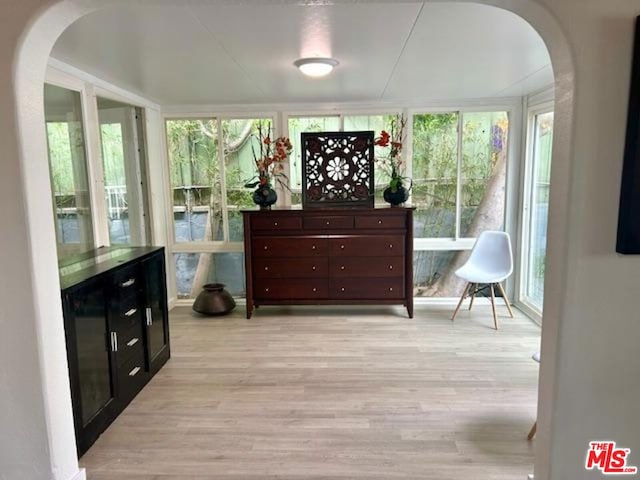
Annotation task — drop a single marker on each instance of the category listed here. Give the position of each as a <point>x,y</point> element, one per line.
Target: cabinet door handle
<point>128,283</point>
<point>130,312</point>
<point>114,342</point>
<point>134,372</point>
<point>132,342</point>
<point>149,315</point>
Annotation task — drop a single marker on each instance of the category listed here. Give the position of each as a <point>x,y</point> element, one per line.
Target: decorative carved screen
<point>337,169</point>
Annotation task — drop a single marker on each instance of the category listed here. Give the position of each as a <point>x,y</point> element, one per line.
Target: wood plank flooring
<point>335,393</point>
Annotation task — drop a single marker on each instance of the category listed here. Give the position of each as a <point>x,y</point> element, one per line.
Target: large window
<point>459,166</point>
<point>457,160</point>
<point>68,170</point>
<point>536,209</point>
<point>123,161</point>
<point>210,161</point>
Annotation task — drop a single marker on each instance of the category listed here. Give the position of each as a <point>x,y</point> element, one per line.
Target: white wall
<point>590,366</point>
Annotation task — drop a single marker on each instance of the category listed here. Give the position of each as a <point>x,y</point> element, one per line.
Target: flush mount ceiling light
<point>315,67</point>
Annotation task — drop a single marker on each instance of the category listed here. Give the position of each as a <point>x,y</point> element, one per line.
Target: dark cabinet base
<point>117,334</point>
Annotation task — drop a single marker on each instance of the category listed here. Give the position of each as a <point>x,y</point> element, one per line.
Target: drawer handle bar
<point>132,342</point>
<point>149,315</point>
<point>114,342</point>
<point>131,312</point>
<point>128,283</point>
<point>134,372</point>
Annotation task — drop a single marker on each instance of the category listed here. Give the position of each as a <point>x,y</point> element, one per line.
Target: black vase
<point>264,196</point>
<point>398,197</point>
<point>214,300</point>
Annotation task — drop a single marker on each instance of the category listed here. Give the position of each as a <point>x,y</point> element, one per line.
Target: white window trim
<point>525,205</point>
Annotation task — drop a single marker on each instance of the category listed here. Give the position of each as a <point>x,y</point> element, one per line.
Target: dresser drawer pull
<point>128,283</point>
<point>342,289</point>
<point>328,222</point>
<point>130,312</point>
<point>315,289</point>
<point>313,247</point>
<point>390,245</point>
<point>266,289</point>
<point>391,289</point>
<point>390,267</point>
<point>132,342</point>
<point>134,372</point>
<point>341,247</point>
<point>266,248</point>
<point>313,268</point>
<point>379,222</point>
<point>342,267</point>
<point>266,269</point>
<point>275,224</point>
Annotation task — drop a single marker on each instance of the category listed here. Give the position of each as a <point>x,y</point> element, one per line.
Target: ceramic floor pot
<point>214,300</point>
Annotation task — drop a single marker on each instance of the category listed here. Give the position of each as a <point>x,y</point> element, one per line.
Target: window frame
<point>524,219</point>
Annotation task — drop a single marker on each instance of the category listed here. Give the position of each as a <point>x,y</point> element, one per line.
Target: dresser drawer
<point>130,344</point>
<point>306,267</point>
<point>289,247</point>
<point>370,288</point>
<point>366,267</point>
<point>126,314</point>
<point>126,280</point>
<point>278,288</point>
<point>380,221</point>
<point>275,223</point>
<point>367,246</point>
<point>131,376</point>
<point>327,222</point>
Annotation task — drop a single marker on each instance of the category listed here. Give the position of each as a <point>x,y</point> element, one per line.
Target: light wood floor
<point>339,393</point>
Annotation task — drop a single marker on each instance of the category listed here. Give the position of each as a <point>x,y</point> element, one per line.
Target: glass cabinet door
<point>156,314</point>
<point>92,351</point>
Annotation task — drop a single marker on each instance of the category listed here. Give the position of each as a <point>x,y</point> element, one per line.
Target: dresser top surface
<point>332,210</point>
<point>82,267</point>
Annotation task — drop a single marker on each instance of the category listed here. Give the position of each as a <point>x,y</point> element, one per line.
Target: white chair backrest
<point>492,252</point>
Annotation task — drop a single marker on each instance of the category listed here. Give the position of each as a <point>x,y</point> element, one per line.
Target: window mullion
<point>459,177</point>
<point>223,183</point>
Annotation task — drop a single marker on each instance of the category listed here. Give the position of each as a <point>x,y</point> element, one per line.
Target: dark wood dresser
<point>338,256</point>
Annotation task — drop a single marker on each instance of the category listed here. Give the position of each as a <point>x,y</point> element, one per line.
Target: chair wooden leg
<point>493,307</point>
<point>473,287</point>
<point>464,295</point>
<point>506,300</point>
<point>532,432</point>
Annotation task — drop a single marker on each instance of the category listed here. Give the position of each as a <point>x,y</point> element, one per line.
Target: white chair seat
<point>473,273</point>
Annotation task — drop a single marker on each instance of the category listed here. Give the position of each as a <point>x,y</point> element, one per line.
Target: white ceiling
<point>240,54</point>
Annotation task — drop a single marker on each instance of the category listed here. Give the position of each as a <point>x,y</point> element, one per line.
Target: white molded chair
<point>490,263</point>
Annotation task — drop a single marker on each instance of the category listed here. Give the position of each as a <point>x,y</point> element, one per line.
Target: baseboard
<point>81,475</point>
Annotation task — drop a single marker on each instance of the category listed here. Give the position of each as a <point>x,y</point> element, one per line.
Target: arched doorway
<point>31,61</point>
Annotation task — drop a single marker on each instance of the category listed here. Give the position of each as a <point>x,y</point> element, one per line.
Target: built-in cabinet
<point>117,332</point>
